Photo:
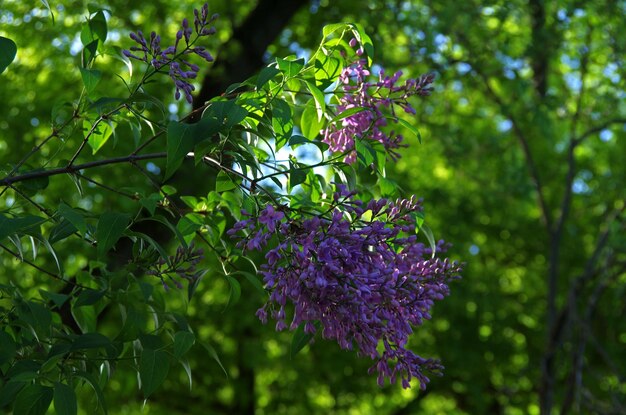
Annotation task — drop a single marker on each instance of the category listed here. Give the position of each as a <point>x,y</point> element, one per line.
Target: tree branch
<point>8,181</point>
<point>599,128</point>
<point>523,140</point>
<point>247,45</point>
<point>539,54</point>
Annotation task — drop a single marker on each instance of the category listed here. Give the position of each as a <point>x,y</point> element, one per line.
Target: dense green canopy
<point>519,166</point>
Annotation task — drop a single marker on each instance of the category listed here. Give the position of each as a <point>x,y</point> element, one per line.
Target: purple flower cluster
<point>180,69</point>
<point>359,271</point>
<point>375,99</point>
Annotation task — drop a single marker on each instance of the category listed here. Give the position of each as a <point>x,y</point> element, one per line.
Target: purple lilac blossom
<point>180,69</point>
<point>366,279</point>
<point>375,99</point>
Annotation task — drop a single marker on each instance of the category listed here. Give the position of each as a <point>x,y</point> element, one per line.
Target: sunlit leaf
<point>309,122</point>
<point>91,78</point>
<point>97,135</point>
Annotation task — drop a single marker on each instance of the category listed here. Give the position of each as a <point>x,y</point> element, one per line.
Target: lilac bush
<point>359,271</point>
<point>181,70</point>
<point>376,101</point>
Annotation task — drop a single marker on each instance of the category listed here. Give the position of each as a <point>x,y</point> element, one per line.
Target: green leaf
<point>331,28</point>
<point>8,50</point>
<point>183,340</point>
<point>224,183</point>
<point>188,224</point>
<point>309,122</point>
<point>97,135</point>
<point>227,113</point>
<point>193,285</point>
<point>91,341</point>
<point>7,347</point>
<point>85,317</point>
<point>74,216</point>
<point>410,127</point>
<point>98,26</point>
<point>36,315</point>
<point>148,101</point>
<point>290,68</point>
<point>45,3</point>
<point>366,42</point>
<point>318,96</point>
<point>235,291</point>
<point>153,368</point>
<point>89,53</point>
<point>299,340</point>
<point>91,380</point>
<point>215,356</point>
<point>346,113</point>
<point>153,243</point>
<point>26,224</point>
<point>164,221</point>
<point>151,341</point>
<point>297,175</point>
<point>89,297</point>
<point>91,78</point>
<point>169,190</point>
<point>297,140</point>
<point>180,141</point>
<point>430,237</point>
<point>254,280</point>
<point>327,70</point>
<point>46,243</point>
<point>94,29</point>
<point>388,188</point>
<point>64,400</point>
<point>9,391</point>
<point>267,73</point>
<point>61,231</point>
<point>56,298</point>
<point>364,152</point>
<point>33,400</point>
<point>185,364</point>
<point>150,203</point>
<point>282,122</point>
<point>111,226</point>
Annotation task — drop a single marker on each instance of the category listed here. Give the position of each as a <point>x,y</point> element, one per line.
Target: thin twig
<point>109,188</point>
<point>599,128</point>
<point>55,133</point>
<point>93,128</point>
<point>40,269</point>
<point>31,201</point>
